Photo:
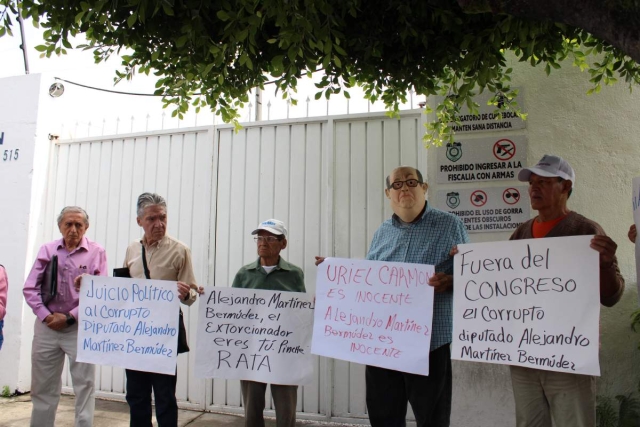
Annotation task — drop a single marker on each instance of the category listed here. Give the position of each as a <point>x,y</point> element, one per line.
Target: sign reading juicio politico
<point>481,159</point>
<point>375,313</point>
<point>533,303</point>
<point>130,323</point>
<point>487,209</point>
<point>254,334</point>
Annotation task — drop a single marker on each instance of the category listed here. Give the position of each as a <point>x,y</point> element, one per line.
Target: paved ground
<point>16,411</point>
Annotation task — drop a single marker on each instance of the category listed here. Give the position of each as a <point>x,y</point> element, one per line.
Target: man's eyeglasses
<point>266,239</point>
<point>410,183</point>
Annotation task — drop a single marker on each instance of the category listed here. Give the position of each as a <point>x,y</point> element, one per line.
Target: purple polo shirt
<point>89,257</point>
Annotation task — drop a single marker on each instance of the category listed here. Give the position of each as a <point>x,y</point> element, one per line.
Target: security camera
<point>56,90</point>
<point>53,136</point>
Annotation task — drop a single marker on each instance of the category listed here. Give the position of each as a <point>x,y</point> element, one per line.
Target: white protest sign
<point>130,323</point>
<point>487,209</point>
<point>255,334</point>
<point>636,221</point>
<point>481,159</point>
<point>375,313</point>
<point>533,303</point>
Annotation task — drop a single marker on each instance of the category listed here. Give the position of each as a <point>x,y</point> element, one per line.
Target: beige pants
<point>47,360</point>
<point>568,399</point>
<point>284,398</point>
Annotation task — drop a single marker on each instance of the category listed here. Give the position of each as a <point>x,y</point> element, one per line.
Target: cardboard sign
<point>487,209</point>
<point>533,303</point>
<point>375,313</point>
<point>481,159</point>
<point>130,323</point>
<point>254,334</point>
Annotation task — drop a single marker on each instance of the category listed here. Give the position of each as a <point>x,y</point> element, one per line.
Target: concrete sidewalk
<point>16,412</point>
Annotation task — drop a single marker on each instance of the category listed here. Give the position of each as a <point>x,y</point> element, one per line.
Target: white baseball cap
<point>273,226</point>
<point>549,166</point>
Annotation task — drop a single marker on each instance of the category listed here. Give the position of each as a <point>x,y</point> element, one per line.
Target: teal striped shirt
<point>425,241</point>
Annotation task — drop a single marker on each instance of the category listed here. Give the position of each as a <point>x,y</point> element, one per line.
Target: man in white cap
<point>270,271</point>
<point>540,396</point>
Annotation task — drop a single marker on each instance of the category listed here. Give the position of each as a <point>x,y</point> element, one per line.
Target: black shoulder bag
<point>183,346</point>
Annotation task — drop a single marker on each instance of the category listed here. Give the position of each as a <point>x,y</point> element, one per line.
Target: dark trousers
<point>430,396</point>
<point>139,386</point>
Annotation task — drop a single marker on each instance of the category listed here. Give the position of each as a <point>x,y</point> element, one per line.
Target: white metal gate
<point>323,177</point>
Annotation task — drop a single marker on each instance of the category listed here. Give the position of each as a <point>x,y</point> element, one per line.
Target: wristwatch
<point>70,319</point>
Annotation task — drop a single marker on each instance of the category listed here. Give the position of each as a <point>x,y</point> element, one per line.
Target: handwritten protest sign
<point>131,323</point>
<point>257,335</point>
<point>532,303</point>
<point>375,313</point>
<point>636,221</point>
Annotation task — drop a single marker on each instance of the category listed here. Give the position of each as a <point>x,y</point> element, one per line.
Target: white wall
<point>23,119</point>
<point>599,136</point>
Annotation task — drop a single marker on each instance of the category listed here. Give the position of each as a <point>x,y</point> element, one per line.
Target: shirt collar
<point>282,265</point>
<point>397,221</point>
<point>159,243</point>
<point>84,244</point>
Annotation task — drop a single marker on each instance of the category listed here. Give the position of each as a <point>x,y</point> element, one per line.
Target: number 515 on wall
<point>9,155</point>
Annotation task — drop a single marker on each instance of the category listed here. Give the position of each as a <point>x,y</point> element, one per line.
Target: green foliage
<point>212,53</point>
<point>635,322</point>
<point>606,415</point>
<point>627,415</point>
<point>6,391</point>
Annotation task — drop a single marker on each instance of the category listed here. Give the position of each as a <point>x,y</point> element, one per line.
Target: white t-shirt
<point>269,268</point>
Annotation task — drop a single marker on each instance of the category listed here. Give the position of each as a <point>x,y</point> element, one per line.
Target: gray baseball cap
<point>549,166</point>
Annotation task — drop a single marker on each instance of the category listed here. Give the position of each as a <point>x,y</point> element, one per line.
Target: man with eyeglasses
<point>416,233</point>
<point>270,271</point>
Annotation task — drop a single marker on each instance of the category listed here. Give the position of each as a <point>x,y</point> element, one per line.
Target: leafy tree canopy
<point>213,52</point>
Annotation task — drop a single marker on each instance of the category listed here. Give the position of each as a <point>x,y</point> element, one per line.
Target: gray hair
<point>149,199</point>
<point>73,209</point>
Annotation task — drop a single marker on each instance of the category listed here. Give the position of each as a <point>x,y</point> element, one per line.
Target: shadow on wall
<point>619,353</point>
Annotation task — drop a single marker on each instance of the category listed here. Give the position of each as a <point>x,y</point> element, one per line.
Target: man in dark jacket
<point>540,396</point>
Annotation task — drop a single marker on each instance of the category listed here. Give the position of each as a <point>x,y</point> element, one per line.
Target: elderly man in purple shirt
<point>56,327</point>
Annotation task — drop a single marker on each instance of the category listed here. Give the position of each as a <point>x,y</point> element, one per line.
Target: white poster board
<point>130,323</point>
<point>636,221</point>
<point>254,334</point>
<point>375,313</point>
<point>533,303</point>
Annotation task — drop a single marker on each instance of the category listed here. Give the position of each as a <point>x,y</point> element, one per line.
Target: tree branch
<point>615,21</point>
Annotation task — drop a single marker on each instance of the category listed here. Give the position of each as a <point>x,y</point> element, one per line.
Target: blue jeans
<point>1,336</point>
